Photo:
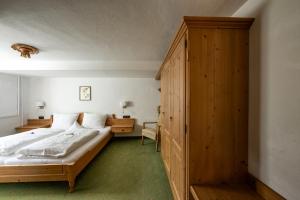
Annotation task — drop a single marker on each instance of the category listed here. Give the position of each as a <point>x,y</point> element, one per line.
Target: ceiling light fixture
<point>25,49</point>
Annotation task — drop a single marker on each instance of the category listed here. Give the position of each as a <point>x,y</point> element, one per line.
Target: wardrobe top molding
<point>205,22</point>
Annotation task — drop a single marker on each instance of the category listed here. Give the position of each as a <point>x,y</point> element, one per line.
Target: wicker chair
<point>152,133</point>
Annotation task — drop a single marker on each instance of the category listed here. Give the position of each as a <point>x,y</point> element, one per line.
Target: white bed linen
<point>3,158</point>
<point>59,145</point>
<point>69,159</point>
<point>63,121</point>
<point>10,144</point>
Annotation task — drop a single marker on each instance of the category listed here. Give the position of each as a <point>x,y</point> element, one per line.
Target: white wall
<point>274,119</point>
<point>8,124</point>
<point>62,95</point>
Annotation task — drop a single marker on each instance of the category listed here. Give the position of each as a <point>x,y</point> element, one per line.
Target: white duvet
<point>59,145</point>
<point>10,144</point>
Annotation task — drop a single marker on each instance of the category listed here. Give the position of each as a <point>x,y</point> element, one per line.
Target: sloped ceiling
<point>96,37</point>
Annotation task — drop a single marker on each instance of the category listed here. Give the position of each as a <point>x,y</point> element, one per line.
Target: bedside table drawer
<point>122,129</point>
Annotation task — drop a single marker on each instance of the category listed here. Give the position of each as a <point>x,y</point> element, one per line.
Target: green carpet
<point>123,170</point>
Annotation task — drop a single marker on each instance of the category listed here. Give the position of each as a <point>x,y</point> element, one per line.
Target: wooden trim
<point>224,191</point>
<point>187,117</point>
<point>145,123</point>
<point>33,124</point>
<point>80,118</point>
<point>51,172</point>
<point>175,42</point>
<point>263,190</point>
<point>218,22</point>
<point>193,193</point>
<point>205,22</point>
<point>39,121</point>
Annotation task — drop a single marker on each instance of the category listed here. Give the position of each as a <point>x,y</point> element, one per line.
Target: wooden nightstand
<point>33,124</point>
<point>124,125</point>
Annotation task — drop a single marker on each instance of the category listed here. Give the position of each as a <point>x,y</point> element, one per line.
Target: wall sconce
<point>124,105</point>
<point>40,105</point>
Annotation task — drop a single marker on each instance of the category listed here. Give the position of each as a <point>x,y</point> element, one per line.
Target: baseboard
<point>127,137</point>
<point>264,191</point>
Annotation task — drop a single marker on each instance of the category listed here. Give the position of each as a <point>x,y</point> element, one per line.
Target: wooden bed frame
<point>53,172</point>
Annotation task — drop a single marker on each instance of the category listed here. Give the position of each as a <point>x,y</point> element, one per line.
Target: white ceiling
<point>96,37</point>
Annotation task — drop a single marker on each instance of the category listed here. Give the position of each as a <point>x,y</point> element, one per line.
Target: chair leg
<point>157,143</point>
<point>142,140</point>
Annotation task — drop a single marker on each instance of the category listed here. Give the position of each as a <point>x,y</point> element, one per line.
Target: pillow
<point>74,127</point>
<point>93,120</point>
<point>63,121</point>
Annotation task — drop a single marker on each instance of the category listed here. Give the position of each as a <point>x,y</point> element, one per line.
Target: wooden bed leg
<point>71,185</point>
<point>71,177</point>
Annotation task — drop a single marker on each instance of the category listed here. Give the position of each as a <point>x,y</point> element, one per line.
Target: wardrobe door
<point>162,113</point>
<point>165,129</point>
<point>177,118</point>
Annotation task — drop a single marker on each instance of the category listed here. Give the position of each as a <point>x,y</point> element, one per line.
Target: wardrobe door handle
<point>171,118</point>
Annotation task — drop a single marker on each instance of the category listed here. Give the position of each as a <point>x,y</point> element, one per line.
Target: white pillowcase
<point>63,121</point>
<point>74,127</point>
<point>93,120</point>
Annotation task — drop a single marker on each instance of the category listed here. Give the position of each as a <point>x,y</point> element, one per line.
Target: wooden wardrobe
<point>204,103</point>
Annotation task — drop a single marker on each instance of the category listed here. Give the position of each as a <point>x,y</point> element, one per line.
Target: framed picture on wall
<point>85,93</point>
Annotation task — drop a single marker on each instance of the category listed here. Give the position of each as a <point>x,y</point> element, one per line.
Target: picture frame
<point>85,93</point>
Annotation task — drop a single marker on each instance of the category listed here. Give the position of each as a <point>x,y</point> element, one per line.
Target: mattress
<point>68,160</point>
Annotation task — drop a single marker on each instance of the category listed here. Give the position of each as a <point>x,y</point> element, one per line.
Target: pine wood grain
<point>223,192</point>
<point>204,90</point>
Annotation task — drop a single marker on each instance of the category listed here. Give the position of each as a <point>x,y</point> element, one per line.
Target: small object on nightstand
<point>126,116</point>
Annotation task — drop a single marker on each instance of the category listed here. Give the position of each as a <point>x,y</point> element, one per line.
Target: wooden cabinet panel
<point>231,104</point>
<point>177,178</point>
<point>218,116</point>
<point>163,144</point>
<point>204,102</point>
<point>165,112</point>
<point>164,99</point>
<point>177,120</point>
<point>167,153</point>
<point>201,123</point>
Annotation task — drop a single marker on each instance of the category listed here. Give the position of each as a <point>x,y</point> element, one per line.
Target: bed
<point>13,169</point>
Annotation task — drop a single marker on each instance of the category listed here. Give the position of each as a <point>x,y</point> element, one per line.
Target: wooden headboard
<point>80,118</point>
<point>108,122</point>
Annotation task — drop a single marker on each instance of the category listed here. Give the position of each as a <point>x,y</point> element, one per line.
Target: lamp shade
<point>40,104</point>
<point>123,104</point>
